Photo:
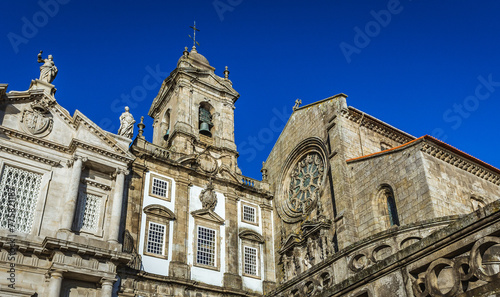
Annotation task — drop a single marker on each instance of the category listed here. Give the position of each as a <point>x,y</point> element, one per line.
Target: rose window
<point>305,182</point>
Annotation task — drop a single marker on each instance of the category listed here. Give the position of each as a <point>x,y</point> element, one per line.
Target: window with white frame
<point>19,191</point>
<point>156,239</point>
<point>250,260</point>
<point>205,254</point>
<point>90,212</point>
<point>250,253</point>
<point>159,187</point>
<point>248,213</point>
<point>157,231</point>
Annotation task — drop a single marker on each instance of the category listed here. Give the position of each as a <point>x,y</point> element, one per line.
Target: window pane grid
<point>250,255</point>
<point>23,187</point>
<point>206,247</point>
<point>91,206</point>
<point>156,237</point>
<point>159,187</point>
<point>248,213</point>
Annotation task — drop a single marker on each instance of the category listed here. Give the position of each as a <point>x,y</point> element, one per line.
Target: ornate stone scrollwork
<point>302,179</point>
<point>208,197</point>
<point>479,267</point>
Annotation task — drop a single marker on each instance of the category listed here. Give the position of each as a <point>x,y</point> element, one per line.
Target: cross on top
<point>194,34</point>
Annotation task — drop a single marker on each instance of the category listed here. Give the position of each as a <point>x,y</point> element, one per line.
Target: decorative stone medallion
<point>305,182</point>
<point>302,179</point>
<point>37,121</point>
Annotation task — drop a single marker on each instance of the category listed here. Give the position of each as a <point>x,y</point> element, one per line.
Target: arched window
<point>387,196</point>
<point>205,120</point>
<point>165,125</point>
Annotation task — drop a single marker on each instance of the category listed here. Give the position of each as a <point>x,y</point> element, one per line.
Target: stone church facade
<point>347,206</point>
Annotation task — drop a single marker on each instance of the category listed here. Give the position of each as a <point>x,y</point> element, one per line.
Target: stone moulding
<point>93,183</point>
<point>251,235</point>
<point>460,162</point>
<point>34,157</point>
<point>65,149</point>
<point>159,210</point>
<point>376,125</point>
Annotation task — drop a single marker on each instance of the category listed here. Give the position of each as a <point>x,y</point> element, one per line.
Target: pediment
<point>251,235</point>
<point>159,210</point>
<point>290,242</point>
<point>209,215</point>
<point>35,116</point>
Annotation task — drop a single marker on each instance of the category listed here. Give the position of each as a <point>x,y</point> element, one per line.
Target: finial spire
<point>194,35</point>
<point>141,128</point>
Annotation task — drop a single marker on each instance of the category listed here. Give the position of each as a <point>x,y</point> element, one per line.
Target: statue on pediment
<point>126,124</point>
<point>48,70</point>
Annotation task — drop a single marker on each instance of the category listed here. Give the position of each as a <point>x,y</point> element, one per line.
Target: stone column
<point>107,287</point>
<point>178,266</point>
<point>116,207</point>
<point>69,210</point>
<point>232,279</point>
<point>54,289</point>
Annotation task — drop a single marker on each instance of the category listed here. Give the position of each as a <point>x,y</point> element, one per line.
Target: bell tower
<point>194,111</point>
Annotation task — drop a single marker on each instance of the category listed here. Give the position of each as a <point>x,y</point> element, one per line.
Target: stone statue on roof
<point>126,124</point>
<point>48,70</point>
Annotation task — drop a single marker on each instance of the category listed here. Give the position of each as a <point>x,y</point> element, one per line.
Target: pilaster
<point>268,246</point>
<point>178,265</point>
<point>232,279</point>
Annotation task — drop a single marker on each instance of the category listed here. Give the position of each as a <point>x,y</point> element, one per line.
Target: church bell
<point>165,137</point>
<point>205,129</point>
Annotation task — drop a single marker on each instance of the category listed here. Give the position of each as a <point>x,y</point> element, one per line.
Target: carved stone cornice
<point>23,95</point>
<point>34,157</point>
<point>78,143</point>
<point>460,162</point>
<point>32,139</point>
<point>96,184</point>
<point>62,148</point>
<point>376,125</point>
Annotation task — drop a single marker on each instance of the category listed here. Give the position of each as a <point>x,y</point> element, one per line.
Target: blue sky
<point>423,66</point>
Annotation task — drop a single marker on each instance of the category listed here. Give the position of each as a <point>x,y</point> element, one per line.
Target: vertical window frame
<point>34,222</point>
<point>256,214</point>
<point>160,215</point>
<point>80,210</point>
<point>152,178</point>
<point>163,239</point>
<point>215,227</point>
<point>256,260</point>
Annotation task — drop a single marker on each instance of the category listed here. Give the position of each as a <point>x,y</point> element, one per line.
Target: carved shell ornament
<point>302,180</point>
